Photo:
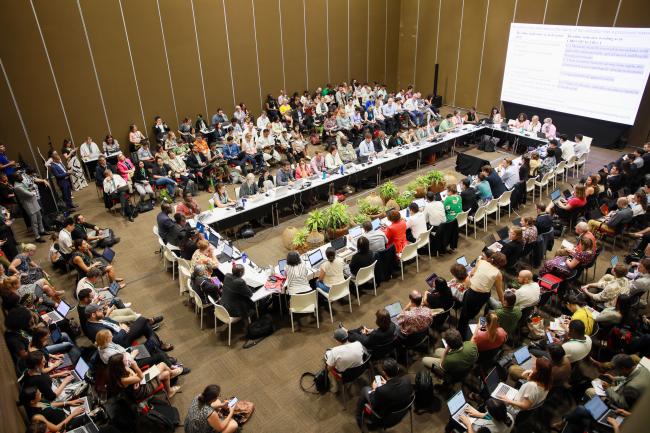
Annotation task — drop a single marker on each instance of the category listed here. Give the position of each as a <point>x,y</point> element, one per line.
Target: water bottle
<point>243,258</point>
<point>341,169</point>
<point>408,213</point>
<point>324,175</point>
<point>211,204</point>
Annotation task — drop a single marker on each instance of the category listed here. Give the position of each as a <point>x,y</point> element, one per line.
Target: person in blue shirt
<point>367,147</point>
<point>6,165</point>
<point>233,154</point>
<point>284,176</point>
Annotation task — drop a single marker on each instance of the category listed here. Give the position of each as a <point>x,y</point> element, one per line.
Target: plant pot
<point>287,237</point>
<point>336,233</point>
<point>314,240</point>
<point>300,249</point>
<point>380,215</point>
<point>375,200</point>
<point>437,187</point>
<point>392,204</point>
<point>420,192</point>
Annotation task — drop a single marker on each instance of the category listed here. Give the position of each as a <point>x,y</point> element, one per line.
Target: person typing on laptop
<point>36,377</point>
<point>563,208</point>
<point>560,368</point>
<point>98,294</point>
<point>83,261</point>
<point>92,233</point>
<point>628,376</point>
<point>495,419</point>
<point>532,393</point>
<point>119,315</point>
<point>331,270</point>
<point>363,257</point>
<point>50,413</point>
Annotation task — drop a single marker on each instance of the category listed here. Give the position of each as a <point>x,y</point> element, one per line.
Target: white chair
<point>570,165</point>
<point>169,256</point>
<point>461,218</point>
<point>337,291</point>
<point>492,208</point>
<point>504,201</point>
<point>543,182</point>
<point>587,141</point>
<point>161,251</point>
<point>423,241</point>
<point>409,252</point>
<point>581,162</point>
<point>220,313</point>
<point>530,186</point>
<point>480,215</point>
<point>559,171</point>
<point>183,277</point>
<point>304,303</point>
<point>199,306</point>
<point>364,276</point>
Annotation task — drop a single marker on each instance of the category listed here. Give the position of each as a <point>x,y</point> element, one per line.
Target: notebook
<point>457,406</point>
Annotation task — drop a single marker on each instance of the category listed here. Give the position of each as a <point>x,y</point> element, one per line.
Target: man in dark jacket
<point>393,394</point>
<point>496,184</point>
<point>165,223</point>
<point>469,196</point>
<point>615,219</point>
<point>381,336</point>
<point>236,296</point>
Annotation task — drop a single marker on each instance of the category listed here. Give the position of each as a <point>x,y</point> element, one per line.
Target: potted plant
<point>437,179</point>
<point>405,199</point>
<point>374,200</point>
<point>337,220</point>
<point>315,225</point>
<point>360,218</point>
<point>387,191</point>
<point>373,210</point>
<point>418,189</point>
<point>299,242</point>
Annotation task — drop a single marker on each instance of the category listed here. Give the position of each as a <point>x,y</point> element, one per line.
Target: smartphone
<point>549,336</point>
<point>377,381</point>
<point>232,402</point>
<point>482,322</point>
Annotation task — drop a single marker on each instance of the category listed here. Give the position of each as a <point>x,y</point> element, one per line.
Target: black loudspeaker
<point>437,100</point>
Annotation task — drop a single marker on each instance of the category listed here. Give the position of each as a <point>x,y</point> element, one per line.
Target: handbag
<point>536,328</point>
<point>320,382</point>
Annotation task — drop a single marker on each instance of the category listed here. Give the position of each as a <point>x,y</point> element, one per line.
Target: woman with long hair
<point>490,337</point>
<point>125,375</point>
<point>532,393</point>
<point>69,153</point>
<point>204,413</point>
<point>496,417</point>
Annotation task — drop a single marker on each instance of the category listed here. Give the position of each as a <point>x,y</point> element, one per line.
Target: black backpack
<point>145,206</point>
<point>423,391</point>
<point>258,330</point>
<point>161,417</point>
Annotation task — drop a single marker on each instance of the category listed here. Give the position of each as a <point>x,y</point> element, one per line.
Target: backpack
<point>145,206</point>
<point>258,330</point>
<point>161,417</point>
<point>423,391</point>
<point>321,381</point>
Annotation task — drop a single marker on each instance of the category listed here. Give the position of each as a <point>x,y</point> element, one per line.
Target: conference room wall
<point>469,42</point>
<point>118,62</point>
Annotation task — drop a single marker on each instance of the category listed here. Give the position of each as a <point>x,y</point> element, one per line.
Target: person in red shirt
<point>563,208</point>
<point>396,231</point>
<point>490,337</point>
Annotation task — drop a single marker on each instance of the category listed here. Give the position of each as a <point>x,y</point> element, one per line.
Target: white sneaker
<point>127,305</point>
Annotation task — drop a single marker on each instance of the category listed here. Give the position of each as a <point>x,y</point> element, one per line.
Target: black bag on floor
<point>321,382</point>
<point>145,206</point>
<point>259,330</point>
<point>161,417</point>
<point>423,391</point>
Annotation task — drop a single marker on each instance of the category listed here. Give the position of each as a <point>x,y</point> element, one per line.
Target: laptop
<point>463,261</point>
<point>315,259</point>
<point>600,411</point>
<point>504,233</point>
<point>376,223</point>
<point>504,390</point>
<point>80,370</point>
<point>362,159</point>
<point>114,288</point>
<point>282,265</point>
<point>492,380</point>
<point>142,351</point>
<point>556,195</point>
<point>227,253</point>
<point>200,227</point>
<point>58,314</point>
<point>517,222</point>
<point>86,428</point>
<point>393,310</point>
<point>523,358</point>
<point>108,255</point>
<point>102,233</point>
<point>614,261</point>
<point>339,243</point>
<point>355,232</point>
<point>213,239</point>
<point>457,406</point>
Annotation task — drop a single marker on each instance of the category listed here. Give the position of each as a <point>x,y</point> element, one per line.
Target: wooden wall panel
<point>183,58</point>
<point>407,38</point>
<point>316,43</point>
<point>448,48</point>
<point>494,55</point>
<point>392,50</point>
<point>358,39</point>
<point>634,13</point>
<point>214,54</point>
<point>426,52</point>
<point>377,34</point>
<point>338,31</point>
<point>145,37</point>
<point>598,13</point>
<point>564,12</point>
<point>294,45</point>
<point>63,33</point>
<point>530,11</point>
<point>111,55</point>
<point>11,133</point>
<point>29,74</point>
<point>470,52</point>
<point>242,52</point>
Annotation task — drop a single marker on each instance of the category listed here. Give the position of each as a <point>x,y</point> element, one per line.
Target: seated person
<point>344,356</point>
<point>161,174</point>
<point>576,304</point>
<point>188,207</point>
<point>382,335</point>
<point>206,285</point>
<point>560,368</point>
<point>236,294</point>
<point>528,291</point>
<point>563,208</point>
<point>119,314</point>
<point>83,260</point>
<point>544,220</point>
<point>415,318</point>
<point>396,231</point>
<point>126,377</point>
<point>317,164</point>
<point>496,184</point>
<point>208,413</point>
<point>81,227</point>
<point>416,223</point>
<point>508,314</point>
<point>298,275</point>
<point>284,176</point>
<point>491,336</point>
<point>204,255</point>
<point>611,286</point>
<point>495,419</point>
<point>116,188</point>
<point>509,173</point>
<point>145,155</point>
<point>376,238</point>
<point>484,191</point>
<point>392,395</point>
<point>35,376</point>
<point>615,220</point>
<point>529,230</point>
<point>331,271</point>
<point>532,393</point>
<point>514,247</point>
<point>51,414</point>
<point>333,159</point>
<point>628,375</point>
<point>249,187</point>
<point>363,257</point>
<point>575,343</point>
<point>221,197</point>
<point>457,359</point>
<point>434,210</point>
<point>469,196</point>
<point>440,296</point>
<point>178,231</point>
<point>563,266</point>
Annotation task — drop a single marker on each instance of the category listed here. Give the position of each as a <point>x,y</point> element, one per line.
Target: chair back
<point>155,231</point>
<point>480,213</point>
<point>365,274</point>
<point>409,252</point>
<point>491,207</point>
<point>571,162</point>
<point>339,290</point>
<point>461,218</point>
<point>237,189</point>
<point>197,298</point>
<point>587,141</point>
<point>222,314</point>
<point>303,301</point>
<point>184,278</point>
<point>422,240</point>
<point>184,263</point>
<point>530,184</point>
<point>352,374</point>
<point>504,200</point>
<point>582,159</point>
<point>559,169</point>
<point>394,418</point>
<point>380,352</point>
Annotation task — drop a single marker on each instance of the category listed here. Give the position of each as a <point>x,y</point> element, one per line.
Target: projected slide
<point>596,72</point>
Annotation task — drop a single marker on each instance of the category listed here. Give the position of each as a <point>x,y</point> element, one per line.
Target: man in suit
<point>29,201</point>
<point>496,184</point>
<point>63,179</point>
<point>236,296</point>
<point>393,394</point>
<point>165,223</point>
<point>469,196</point>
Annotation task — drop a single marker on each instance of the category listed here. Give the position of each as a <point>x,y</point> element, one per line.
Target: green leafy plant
<point>366,208</point>
<point>405,199</point>
<point>360,218</point>
<point>300,238</point>
<point>337,216</point>
<point>388,190</point>
<point>315,220</point>
<point>423,181</point>
<point>437,176</point>
<point>412,186</point>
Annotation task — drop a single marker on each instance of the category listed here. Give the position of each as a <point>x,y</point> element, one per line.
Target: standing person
<point>7,165</point>
<point>63,180</point>
<point>29,202</point>
<point>69,152</point>
<point>453,203</point>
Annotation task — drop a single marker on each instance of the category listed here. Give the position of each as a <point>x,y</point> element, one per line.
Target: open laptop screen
<point>315,257</point>
<point>596,407</point>
<point>282,264</point>
<point>355,232</point>
<point>555,194</point>
<point>63,308</point>
<point>339,243</point>
<point>376,223</point>
<point>456,402</point>
<point>394,309</point>
<point>492,380</point>
<point>522,354</point>
<point>81,368</point>
<point>462,261</point>
<point>227,250</point>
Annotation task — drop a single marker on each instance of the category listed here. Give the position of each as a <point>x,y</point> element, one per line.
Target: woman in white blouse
<point>532,393</point>
<point>297,275</point>
<point>535,125</point>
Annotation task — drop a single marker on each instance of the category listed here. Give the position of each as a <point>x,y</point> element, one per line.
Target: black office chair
<point>370,420</point>
<point>413,342</point>
<point>350,375</point>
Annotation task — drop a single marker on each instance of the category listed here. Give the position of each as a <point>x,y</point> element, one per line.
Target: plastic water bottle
<point>341,169</point>
<point>324,175</point>
<point>211,204</point>
<point>243,258</point>
<point>408,213</point>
